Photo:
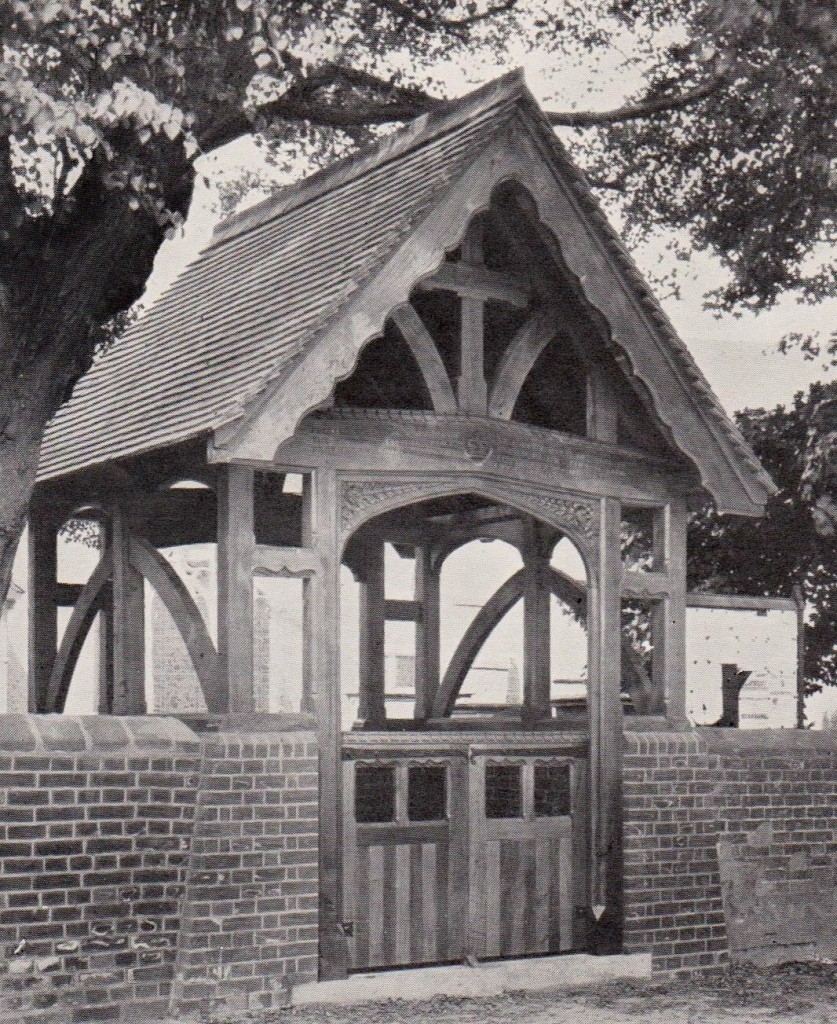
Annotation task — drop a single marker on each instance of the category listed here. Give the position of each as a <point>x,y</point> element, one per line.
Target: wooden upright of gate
<point>464,845</point>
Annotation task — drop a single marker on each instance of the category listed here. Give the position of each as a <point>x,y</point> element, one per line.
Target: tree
<point>105,105</point>
<point>790,547</point>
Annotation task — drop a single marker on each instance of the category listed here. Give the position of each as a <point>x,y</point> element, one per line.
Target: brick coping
<point>732,741</point>
<point>49,733</point>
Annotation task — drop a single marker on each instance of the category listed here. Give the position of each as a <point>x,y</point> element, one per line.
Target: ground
<point>790,994</point>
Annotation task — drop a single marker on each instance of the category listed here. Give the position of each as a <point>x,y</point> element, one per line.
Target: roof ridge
<point>414,133</point>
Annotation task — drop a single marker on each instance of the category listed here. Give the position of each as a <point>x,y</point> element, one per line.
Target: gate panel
<point>405,873</point>
<point>524,887</point>
<point>475,850</point>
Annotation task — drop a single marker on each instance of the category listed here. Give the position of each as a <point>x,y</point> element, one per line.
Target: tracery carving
<point>357,497</point>
<point>580,515</point>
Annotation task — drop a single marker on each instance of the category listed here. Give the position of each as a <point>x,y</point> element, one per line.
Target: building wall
<point>730,846</point>
<point>148,867</point>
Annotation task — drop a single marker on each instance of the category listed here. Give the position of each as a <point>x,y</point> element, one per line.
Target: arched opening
<point>462,607</point>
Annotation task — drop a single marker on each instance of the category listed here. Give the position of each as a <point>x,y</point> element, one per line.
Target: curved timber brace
<point>151,565</point>
<point>570,593</point>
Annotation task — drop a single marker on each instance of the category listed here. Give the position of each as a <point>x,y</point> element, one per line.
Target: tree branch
<point>433,23</point>
<point>299,104</point>
<point>635,111</point>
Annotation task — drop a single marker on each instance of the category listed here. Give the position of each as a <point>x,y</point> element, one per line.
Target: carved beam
<point>478,283</point>
<point>281,561</point>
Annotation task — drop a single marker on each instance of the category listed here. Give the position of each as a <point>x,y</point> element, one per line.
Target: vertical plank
<point>476,860</point>
<point>321,532</point>
<point>581,850</point>
<point>518,897</point>
<point>542,909</point>
<point>236,551</point>
<point>361,945</point>
<point>429,901</point>
<point>372,707</point>
<point>402,904</point>
<point>456,852</point>
<point>375,902</point>
<point>350,857</point>
<point>106,630</point>
<point>417,905</point>
<point>43,613</point>
<point>495,906</point>
<point>428,628</point>
<point>565,893</point>
<point>128,623</point>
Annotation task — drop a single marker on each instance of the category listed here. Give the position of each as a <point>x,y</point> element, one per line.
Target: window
<point>503,796</point>
<point>374,793</point>
<point>553,794</point>
<point>426,792</point>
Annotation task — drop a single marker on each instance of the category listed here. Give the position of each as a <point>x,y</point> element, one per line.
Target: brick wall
<point>140,857</point>
<point>730,842</point>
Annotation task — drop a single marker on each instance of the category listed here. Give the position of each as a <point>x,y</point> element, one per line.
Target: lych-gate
<point>442,340</point>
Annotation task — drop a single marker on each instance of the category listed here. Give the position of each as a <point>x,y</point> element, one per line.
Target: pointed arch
<point>179,603</point>
<point>89,603</point>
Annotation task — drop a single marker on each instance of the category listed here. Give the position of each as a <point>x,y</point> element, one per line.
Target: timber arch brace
<point>179,603</point>
<point>571,593</point>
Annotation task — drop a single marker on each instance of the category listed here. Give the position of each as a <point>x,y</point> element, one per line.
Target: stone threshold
<point>571,970</point>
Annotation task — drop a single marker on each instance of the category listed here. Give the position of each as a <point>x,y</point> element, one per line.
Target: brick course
<point>730,843</point>
<point>130,858</point>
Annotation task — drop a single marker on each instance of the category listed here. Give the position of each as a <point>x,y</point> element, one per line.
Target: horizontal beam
<point>741,602</point>
<point>418,442</point>
<point>645,584</point>
<point>66,594</point>
<point>478,283</point>
<point>402,611</point>
<point>276,561</point>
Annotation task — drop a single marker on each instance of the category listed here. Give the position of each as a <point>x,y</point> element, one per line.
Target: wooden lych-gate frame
<point>371,474</point>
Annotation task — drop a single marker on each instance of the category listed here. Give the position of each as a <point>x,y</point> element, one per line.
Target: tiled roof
<point>275,274</point>
<point>248,304</point>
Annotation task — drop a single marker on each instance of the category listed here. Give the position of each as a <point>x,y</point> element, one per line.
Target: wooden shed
<point>443,339</point>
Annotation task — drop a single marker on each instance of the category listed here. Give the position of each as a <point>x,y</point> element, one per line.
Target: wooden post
<point>536,628</point>
<point>602,412</point>
<point>321,531</point>
<point>428,632</point>
<point>372,629</point>
<point>471,388</point>
<point>605,714</point>
<point>236,552</point>
<point>669,620</point>
<point>43,612</point>
<point>128,624</point>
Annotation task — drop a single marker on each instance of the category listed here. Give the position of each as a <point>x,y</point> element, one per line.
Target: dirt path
<point>792,994</point>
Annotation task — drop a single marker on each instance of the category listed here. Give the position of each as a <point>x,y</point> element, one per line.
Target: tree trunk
<point>25,408</point>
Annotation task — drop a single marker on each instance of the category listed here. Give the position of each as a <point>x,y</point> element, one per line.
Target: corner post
<point>236,554</point>
<point>321,530</point>
<point>605,713</point>
<point>43,612</point>
<point>670,614</point>
<point>127,623</point>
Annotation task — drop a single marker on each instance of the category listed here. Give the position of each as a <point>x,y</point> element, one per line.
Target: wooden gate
<point>461,846</point>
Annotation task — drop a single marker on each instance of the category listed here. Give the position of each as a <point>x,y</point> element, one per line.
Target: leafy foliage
<point>788,548</point>
<point>750,171</point>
